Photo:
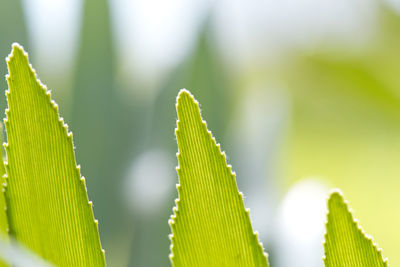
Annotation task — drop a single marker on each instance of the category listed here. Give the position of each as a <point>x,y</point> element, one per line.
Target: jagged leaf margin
<point>47,204</point>
<point>210,225</point>
<point>346,243</point>
<point>3,214</point>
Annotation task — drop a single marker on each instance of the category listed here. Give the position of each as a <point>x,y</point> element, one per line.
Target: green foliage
<point>16,255</point>
<point>211,226</point>
<point>345,242</point>
<point>47,204</point>
<point>3,214</point>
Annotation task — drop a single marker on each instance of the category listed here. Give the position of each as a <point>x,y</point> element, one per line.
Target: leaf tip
<point>335,196</point>
<point>185,95</point>
<point>338,210</point>
<point>16,45</point>
<point>16,51</point>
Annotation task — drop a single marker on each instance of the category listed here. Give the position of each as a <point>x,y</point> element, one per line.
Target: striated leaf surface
<point>346,244</point>
<point>16,255</point>
<point>3,215</point>
<point>47,204</point>
<point>210,225</point>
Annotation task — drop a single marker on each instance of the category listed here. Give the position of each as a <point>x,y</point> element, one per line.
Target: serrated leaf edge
<point>175,209</point>
<point>355,222</point>
<point>3,183</point>
<point>62,124</point>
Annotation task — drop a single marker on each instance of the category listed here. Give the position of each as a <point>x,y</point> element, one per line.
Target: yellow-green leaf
<point>47,204</point>
<point>210,225</point>
<point>3,214</point>
<point>16,255</point>
<point>346,244</point>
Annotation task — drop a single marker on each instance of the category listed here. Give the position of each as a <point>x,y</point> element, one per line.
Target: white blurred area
<point>395,4</point>
<point>153,36</point>
<point>300,225</point>
<point>53,30</point>
<point>254,33</point>
<point>14,254</point>
<point>149,182</point>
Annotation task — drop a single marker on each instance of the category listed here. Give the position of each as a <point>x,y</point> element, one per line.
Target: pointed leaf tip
<point>210,225</point>
<point>43,180</point>
<point>184,94</point>
<point>346,244</point>
<point>336,196</point>
<point>184,91</point>
<point>17,47</point>
<point>16,50</point>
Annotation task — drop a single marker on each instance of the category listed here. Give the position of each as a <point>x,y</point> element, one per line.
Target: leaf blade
<point>346,244</point>
<point>3,207</point>
<point>47,203</point>
<point>211,226</point>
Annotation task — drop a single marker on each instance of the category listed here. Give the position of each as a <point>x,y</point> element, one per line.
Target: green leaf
<point>19,256</point>
<point>47,204</point>
<point>210,225</point>
<point>346,244</point>
<point>3,215</point>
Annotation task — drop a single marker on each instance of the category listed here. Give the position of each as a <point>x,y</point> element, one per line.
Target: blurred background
<point>303,96</point>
